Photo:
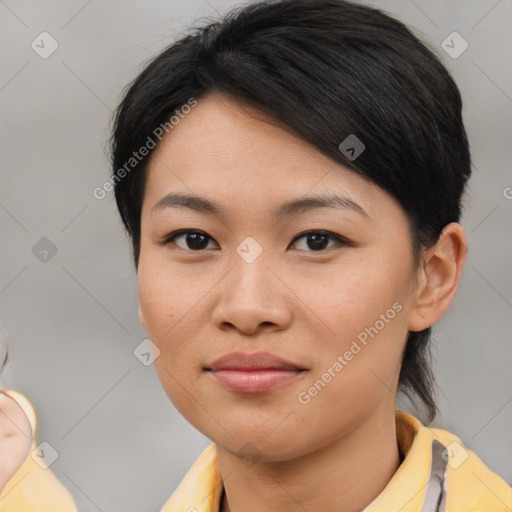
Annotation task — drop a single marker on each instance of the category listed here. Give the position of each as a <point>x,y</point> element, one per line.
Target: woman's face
<point>249,279</point>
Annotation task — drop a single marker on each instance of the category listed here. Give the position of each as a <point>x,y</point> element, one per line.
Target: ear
<point>438,277</point>
<point>142,320</point>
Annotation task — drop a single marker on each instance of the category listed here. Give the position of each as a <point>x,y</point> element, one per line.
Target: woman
<point>291,181</point>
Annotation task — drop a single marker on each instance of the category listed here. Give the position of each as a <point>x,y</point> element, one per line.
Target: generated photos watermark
<point>143,151</point>
<point>304,397</point>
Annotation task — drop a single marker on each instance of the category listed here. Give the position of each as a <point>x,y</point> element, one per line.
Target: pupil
<point>319,242</point>
<point>196,241</point>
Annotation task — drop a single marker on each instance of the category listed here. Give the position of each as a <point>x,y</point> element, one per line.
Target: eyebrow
<point>293,207</point>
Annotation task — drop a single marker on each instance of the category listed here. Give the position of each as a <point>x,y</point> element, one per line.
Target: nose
<point>252,298</point>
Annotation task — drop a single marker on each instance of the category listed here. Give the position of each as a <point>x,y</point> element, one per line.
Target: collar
<point>426,481</point>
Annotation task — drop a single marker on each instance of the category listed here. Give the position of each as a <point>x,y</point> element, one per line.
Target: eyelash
<point>339,239</point>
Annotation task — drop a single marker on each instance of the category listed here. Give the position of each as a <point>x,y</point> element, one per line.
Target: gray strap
<point>435,495</point>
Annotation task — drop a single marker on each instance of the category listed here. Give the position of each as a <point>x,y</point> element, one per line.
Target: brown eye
<point>191,240</point>
<point>318,240</point>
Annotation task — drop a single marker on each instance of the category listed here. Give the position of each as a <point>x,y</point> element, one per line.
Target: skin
<point>302,304</point>
<point>15,438</point>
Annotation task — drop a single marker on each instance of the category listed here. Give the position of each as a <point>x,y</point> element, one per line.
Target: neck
<point>343,476</point>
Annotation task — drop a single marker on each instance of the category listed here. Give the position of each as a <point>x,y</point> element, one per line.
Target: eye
<point>317,240</point>
<point>193,240</point>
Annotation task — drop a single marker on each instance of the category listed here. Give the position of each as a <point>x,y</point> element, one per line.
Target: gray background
<point>73,320</point>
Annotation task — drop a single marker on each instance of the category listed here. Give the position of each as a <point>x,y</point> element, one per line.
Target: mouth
<point>253,373</point>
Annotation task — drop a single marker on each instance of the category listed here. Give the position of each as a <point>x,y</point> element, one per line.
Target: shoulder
<point>470,485</point>
<point>469,480</point>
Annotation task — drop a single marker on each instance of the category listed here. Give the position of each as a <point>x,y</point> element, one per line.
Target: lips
<point>253,373</point>
<point>248,362</point>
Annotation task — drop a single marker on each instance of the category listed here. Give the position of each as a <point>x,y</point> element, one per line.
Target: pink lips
<point>253,373</point>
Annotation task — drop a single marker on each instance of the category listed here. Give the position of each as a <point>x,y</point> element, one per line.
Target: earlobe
<point>439,277</point>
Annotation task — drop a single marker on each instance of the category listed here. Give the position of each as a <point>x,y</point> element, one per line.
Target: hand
<point>15,438</point>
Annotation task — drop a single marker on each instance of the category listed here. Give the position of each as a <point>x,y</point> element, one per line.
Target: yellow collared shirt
<point>438,474</point>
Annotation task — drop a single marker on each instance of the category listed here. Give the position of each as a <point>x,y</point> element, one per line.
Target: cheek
<point>165,314</point>
<point>358,366</point>
<point>170,302</point>
<point>166,294</point>
<point>353,296</point>
<point>161,309</point>
<point>364,313</point>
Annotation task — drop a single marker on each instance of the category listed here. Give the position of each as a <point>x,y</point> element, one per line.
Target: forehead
<point>234,153</point>
<point>221,129</point>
